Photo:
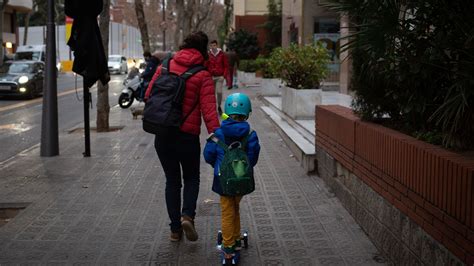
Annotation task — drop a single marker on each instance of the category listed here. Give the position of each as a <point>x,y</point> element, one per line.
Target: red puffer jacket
<point>198,87</point>
<point>218,64</point>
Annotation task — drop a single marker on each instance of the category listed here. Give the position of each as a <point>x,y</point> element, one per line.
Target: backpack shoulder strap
<point>245,140</point>
<point>165,66</point>
<point>219,142</point>
<point>191,71</point>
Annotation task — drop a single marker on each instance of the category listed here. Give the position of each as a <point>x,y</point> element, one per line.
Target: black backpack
<point>163,109</point>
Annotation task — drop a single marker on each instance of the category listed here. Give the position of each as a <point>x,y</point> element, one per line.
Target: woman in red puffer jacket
<point>183,150</point>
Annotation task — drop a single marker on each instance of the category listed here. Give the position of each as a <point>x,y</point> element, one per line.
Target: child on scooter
<point>221,153</point>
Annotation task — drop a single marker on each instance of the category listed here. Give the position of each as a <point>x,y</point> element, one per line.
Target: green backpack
<point>235,173</point>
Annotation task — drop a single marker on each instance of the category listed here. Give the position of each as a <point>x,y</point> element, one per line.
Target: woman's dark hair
<point>197,40</point>
<point>146,54</point>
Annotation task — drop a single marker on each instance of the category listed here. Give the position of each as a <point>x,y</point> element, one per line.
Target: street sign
<point>68,27</point>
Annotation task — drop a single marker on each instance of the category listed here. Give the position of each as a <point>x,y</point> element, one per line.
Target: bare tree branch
<point>194,15</point>
<point>203,13</point>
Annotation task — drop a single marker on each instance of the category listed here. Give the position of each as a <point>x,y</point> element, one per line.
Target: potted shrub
<point>270,85</point>
<point>262,66</point>
<point>247,70</point>
<point>301,69</point>
<point>412,67</point>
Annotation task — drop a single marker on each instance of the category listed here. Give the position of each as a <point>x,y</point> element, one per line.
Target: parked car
<point>117,64</point>
<point>22,78</point>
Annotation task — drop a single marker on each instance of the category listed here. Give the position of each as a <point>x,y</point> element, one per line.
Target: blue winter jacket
<point>229,132</point>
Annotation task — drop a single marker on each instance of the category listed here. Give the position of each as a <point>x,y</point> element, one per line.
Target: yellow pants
<point>230,220</point>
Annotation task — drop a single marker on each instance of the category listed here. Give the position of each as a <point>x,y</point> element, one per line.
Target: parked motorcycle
<point>130,92</point>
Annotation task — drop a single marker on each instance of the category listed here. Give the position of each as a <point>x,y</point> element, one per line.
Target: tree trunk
<point>142,25</point>
<point>103,107</point>
<point>179,22</point>
<point>188,17</point>
<point>27,25</point>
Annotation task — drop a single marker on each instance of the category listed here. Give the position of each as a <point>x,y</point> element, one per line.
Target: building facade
<point>123,12</point>
<point>306,21</point>
<point>248,15</point>
<point>10,26</point>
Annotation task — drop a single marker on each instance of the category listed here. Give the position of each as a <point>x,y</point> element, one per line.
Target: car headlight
<point>23,79</point>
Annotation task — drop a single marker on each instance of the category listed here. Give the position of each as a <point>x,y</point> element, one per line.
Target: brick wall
<point>251,23</point>
<point>432,186</point>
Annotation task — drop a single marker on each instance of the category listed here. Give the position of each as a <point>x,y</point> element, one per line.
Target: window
<point>16,68</point>
<point>326,25</point>
<point>327,31</point>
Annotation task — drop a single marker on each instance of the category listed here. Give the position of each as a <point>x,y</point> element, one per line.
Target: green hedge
<point>247,65</point>
<point>263,65</point>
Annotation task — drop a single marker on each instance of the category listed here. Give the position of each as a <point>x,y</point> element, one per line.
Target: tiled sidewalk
<point>109,209</point>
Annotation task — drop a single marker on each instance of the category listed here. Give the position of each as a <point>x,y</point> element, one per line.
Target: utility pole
<point>87,98</point>
<point>49,122</point>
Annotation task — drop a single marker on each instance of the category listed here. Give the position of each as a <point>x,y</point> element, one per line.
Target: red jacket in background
<point>199,87</point>
<point>218,65</point>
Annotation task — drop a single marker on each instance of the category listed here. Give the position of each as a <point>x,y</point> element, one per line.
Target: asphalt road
<point>20,120</point>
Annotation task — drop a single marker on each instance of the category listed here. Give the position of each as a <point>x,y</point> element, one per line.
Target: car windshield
<point>35,56</point>
<point>16,68</point>
<point>114,59</point>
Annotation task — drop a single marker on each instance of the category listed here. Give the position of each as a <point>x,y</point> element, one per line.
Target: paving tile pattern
<point>109,209</point>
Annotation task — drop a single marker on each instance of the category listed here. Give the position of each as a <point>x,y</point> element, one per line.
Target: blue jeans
<point>180,151</point>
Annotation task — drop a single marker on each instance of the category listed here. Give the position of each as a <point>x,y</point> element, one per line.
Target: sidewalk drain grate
<point>94,129</point>
<point>8,211</point>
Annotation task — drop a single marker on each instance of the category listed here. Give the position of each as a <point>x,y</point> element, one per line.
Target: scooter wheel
<point>125,100</point>
<point>219,238</point>
<point>246,240</point>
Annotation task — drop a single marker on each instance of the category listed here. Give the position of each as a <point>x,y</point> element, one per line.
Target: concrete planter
<point>270,87</point>
<point>300,104</point>
<point>246,77</point>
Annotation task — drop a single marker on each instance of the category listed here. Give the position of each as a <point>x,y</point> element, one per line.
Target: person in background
<point>133,71</point>
<point>218,66</point>
<point>233,65</point>
<point>152,62</point>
